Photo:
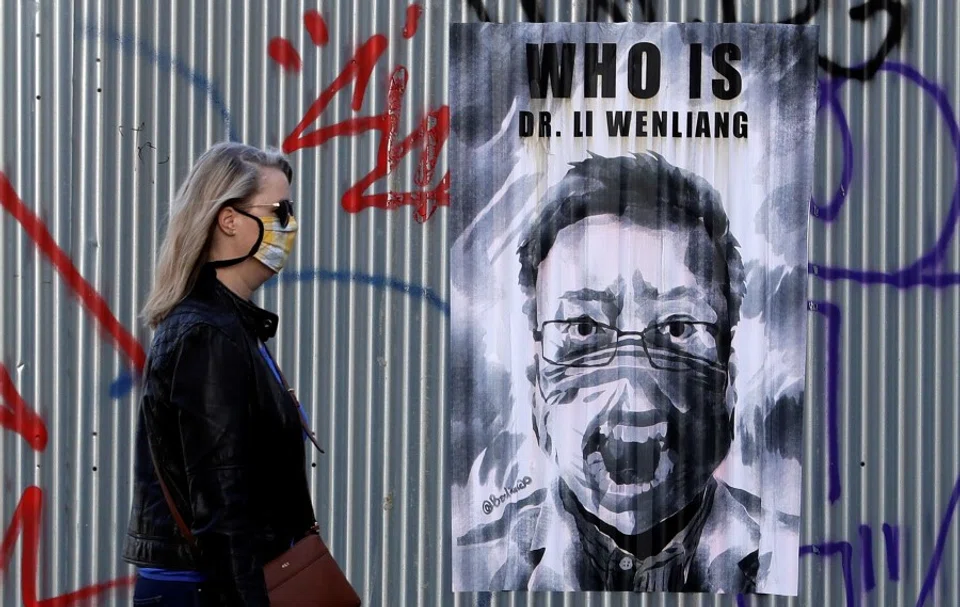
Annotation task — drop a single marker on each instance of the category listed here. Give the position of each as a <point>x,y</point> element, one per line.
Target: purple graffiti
<point>930,580</point>
<point>845,550</point>
<point>832,313</point>
<point>891,540</point>
<point>866,558</point>
<point>829,100</point>
<point>891,536</point>
<point>924,271</point>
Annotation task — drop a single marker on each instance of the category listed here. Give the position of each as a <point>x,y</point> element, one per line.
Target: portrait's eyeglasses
<point>283,210</point>
<point>674,345</point>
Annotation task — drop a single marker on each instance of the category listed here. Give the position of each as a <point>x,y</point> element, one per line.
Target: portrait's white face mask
<point>634,443</point>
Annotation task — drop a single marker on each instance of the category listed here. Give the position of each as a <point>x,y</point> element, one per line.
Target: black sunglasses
<point>283,210</point>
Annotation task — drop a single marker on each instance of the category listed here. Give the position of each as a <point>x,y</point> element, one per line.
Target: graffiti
<point>618,11</point>
<point>26,524</point>
<point>866,558</point>
<point>480,11</point>
<point>373,280</point>
<point>844,549</point>
<point>861,13</point>
<point>282,51</point>
<point>18,417</point>
<point>897,16</point>
<point>830,211</point>
<point>925,271</point>
<point>164,60</point>
<point>115,332</point>
<point>933,569</point>
<point>414,12</point>
<point>891,536</point>
<point>429,137</point>
<point>122,384</point>
<point>140,147</point>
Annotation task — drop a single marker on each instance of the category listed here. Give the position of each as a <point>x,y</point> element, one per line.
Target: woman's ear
<point>227,220</point>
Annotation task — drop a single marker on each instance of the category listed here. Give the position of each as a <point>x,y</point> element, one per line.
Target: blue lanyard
<point>276,374</point>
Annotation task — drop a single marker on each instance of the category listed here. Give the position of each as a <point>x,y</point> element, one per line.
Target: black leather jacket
<point>229,443</point>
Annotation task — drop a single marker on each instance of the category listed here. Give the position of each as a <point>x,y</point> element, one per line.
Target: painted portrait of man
<point>633,285</point>
<point>628,311</point>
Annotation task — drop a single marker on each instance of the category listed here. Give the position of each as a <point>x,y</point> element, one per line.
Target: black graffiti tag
<point>645,10</point>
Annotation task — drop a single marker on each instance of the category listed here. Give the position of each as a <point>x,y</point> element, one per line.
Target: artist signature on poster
<point>495,501</point>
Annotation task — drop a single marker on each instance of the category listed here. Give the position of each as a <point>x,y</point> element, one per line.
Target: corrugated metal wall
<point>106,104</point>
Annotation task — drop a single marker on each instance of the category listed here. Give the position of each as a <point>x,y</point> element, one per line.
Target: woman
<point>215,418</point>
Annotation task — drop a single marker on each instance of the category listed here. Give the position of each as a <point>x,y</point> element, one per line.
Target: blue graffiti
<point>892,545</point>
<point>845,550</point>
<point>373,280</point>
<point>163,59</point>
<point>123,384</point>
<point>930,579</point>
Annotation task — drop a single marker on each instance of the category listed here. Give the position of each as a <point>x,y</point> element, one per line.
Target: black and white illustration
<point>628,304</point>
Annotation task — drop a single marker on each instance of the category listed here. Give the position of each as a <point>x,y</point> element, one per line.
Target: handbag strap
<point>181,524</point>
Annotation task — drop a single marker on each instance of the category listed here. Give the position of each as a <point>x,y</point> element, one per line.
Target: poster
<point>628,279</point>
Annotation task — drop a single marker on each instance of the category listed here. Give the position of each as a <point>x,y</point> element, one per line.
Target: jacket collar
<point>255,319</point>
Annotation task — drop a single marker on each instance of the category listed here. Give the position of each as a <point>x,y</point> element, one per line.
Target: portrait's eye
<point>684,335</point>
<point>577,341</point>
<point>584,329</point>
<point>677,329</point>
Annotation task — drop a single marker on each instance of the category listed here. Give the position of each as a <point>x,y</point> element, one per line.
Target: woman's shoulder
<point>200,313</point>
<point>194,323</point>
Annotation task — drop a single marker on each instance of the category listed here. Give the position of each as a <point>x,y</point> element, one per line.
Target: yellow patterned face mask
<point>277,242</point>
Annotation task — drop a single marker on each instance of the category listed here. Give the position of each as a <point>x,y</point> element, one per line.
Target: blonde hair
<point>226,172</point>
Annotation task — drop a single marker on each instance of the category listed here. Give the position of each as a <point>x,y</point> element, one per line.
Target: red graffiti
<point>429,136</point>
<point>315,25</point>
<point>16,416</point>
<point>413,17</point>
<point>88,296</point>
<point>281,51</point>
<point>26,523</point>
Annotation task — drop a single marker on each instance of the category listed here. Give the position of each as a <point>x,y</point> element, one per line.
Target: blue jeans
<point>169,593</point>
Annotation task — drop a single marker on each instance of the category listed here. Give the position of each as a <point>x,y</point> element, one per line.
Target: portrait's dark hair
<point>647,190</point>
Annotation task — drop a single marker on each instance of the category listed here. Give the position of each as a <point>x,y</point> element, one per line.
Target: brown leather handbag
<point>306,575</point>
